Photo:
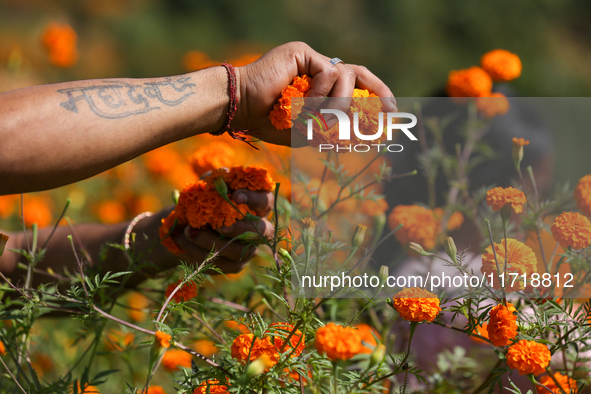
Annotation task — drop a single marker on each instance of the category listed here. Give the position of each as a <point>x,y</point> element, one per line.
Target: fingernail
<point>241,198</point>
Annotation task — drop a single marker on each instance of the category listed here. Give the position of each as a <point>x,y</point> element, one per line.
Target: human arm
<point>57,134</point>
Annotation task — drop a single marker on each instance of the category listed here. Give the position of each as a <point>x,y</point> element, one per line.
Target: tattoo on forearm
<point>118,99</point>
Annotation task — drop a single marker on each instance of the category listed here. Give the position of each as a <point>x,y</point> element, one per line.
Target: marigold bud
<point>451,249</point>
<point>418,249</point>
<point>3,242</point>
<point>358,235</point>
<point>175,196</point>
<point>249,236</point>
<point>221,187</point>
<point>384,274</point>
<point>518,144</point>
<point>284,254</point>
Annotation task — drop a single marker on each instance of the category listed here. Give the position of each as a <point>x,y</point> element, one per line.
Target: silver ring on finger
<point>335,60</point>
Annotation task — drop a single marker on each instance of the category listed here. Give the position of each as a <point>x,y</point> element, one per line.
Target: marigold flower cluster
<point>421,225</point>
<point>567,384</point>
<point>243,345</point>
<point>572,229</point>
<point>416,304</point>
<point>60,41</point>
<point>470,82</point>
<point>201,205</point>
<point>583,195</point>
<point>498,197</point>
<point>284,111</point>
<point>501,65</point>
<point>211,386</point>
<point>502,326</point>
<point>338,342</point>
<point>528,357</point>
<point>185,293</point>
<point>521,259</point>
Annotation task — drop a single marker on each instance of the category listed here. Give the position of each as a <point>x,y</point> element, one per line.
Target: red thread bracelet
<point>227,128</point>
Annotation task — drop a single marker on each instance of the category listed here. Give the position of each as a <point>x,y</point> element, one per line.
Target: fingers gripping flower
<point>416,304</point>
<point>338,342</point>
<point>502,326</point>
<point>521,259</point>
<point>572,229</point>
<point>499,197</point>
<point>283,111</point>
<point>528,357</point>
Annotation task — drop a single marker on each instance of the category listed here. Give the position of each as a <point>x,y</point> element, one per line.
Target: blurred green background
<point>411,45</point>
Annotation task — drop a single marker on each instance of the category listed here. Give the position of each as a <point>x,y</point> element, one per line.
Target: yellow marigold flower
<point>368,336</point>
<point>243,345</point>
<point>492,105</point>
<point>283,112</point>
<point>211,386</point>
<point>162,339</point>
<point>470,82</point>
<point>572,229</point>
<point>528,357</point>
<point>567,384</point>
<point>502,326</point>
<point>280,332</point>
<point>175,358</point>
<point>338,342</point>
<point>166,235</point>
<point>185,293</point>
<point>416,304</point>
<point>521,259</point>
<point>419,225</point>
<point>501,65</point>
<point>212,156</point>
<point>498,197</point>
<point>583,195</point>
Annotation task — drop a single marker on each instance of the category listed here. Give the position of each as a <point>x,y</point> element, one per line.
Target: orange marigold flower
<point>283,111</point>
<point>111,212</point>
<point>60,41</point>
<point>501,65</point>
<point>162,161</point>
<point>492,105</point>
<point>375,207</point>
<point>470,82</point>
<point>419,225</point>
<point>572,229</point>
<point>166,235</point>
<point>137,302</point>
<point>368,336</point>
<point>211,386</point>
<point>175,358</point>
<point>528,357</point>
<point>8,205</point>
<point>215,155</point>
<point>2,349</point>
<point>117,340</point>
<point>234,325</point>
<point>154,390</point>
<point>502,326</point>
<point>416,304</point>
<point>338,342</point>
<point>567,384</point>
<point>481,330</point>
<point>280,332</point>
<point>583,195</point>
<point>41,363</point>
<point>197,60</point>
<point>242,345</point>
<point>454,222</point>
<point>37,210</point>
<point>205,347</point>
<point>521,259</point>
<point>520,141</point>
<point>498,197</point>
<point>251,178</point>
<point>185,293</point>
<point>162,339</point>
<point>88,389</point>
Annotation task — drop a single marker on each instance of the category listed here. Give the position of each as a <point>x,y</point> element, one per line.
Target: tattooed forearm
<point>118,99</point>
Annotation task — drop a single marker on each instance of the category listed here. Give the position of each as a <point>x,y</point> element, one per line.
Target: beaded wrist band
<point>129,230</point>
